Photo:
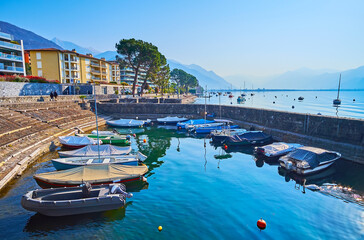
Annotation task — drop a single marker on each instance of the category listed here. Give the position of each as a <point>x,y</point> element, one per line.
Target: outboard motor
<point>86,189</point>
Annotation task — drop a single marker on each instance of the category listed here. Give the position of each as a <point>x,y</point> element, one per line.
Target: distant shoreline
<point>282,90</point>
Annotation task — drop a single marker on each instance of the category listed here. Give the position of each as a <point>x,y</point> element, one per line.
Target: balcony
<point>10,57</point>
<point>95,64</point>
<point>74,68</point>
<point>104,73</point>
<point>10,45</point>
<point>95,72</point>
<point>5,36</point>
<point>95,78</point>
<point>11,69</point>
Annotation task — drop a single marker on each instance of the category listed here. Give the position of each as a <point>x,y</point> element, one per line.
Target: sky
<point>256,38</point>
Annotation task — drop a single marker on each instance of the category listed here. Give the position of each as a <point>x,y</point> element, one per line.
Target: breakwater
<point>344,135</point>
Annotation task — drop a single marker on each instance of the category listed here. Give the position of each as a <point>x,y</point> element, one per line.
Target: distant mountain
<point>209,78</point>
<point>30,39</point>
<point>305,78</point>
<point>108,55</point>
<point>70,45</point>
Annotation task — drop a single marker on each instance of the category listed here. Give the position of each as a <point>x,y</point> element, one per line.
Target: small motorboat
<point>116,140</point>
<point>193,127</point>
<point>77,142</point>
<point>207,129</point>
<point>219,136</point>
<point>300,98</point>
<point>241,99</point>
<point>171,120</point>
<point>249,138</point>
<point>308,160</point>
<point>68,163</point>
<point>127,123</point>
<point>182,125</point>
<point>231,96</point>
<point>94,150</point>
<point>75,200</point>
<point>95,174</point>
<point>276,150</point>
<point>109,133</point>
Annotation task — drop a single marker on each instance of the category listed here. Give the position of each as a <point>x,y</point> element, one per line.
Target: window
<point>88,75</point>
<point>39,64</point>
<point>40,73</point>
<point>38,55</point>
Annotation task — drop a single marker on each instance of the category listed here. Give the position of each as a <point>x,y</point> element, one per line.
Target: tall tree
<point>161,78</point>
<point>136,54</point>
<point>183,79</point>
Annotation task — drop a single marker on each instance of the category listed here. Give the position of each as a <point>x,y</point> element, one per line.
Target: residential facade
<point>11,55</point>
<point>115,71</point>
<point>69,66</point>
<point>127,75</point>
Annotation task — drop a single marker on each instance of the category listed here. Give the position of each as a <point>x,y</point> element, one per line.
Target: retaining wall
<point>345,135</point>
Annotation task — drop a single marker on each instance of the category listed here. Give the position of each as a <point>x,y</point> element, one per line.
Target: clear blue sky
<point>228,37</point>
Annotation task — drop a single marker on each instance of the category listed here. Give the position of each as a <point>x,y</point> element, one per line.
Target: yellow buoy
<point>160,228</point>
<point>145,140</point>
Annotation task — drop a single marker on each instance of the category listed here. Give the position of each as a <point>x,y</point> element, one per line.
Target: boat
<point>94,150</point>
<point>77,142</point>
<point>96,174</point>
<point>219,136</point>
<point>249,138</point>
<point>231,96</point>
<point>276,150</point>
<point>75,200</point>
<point>206,129</point>
<point>171,120</point>
<point>300,98</point>
<point>116,140</point>
<point>182,125</point>
<point>308,160</point>
<point>241,99</point>
<point>68,163</point>
<point>337,101</point>
<point>109,133</point>
<point>127,123</point>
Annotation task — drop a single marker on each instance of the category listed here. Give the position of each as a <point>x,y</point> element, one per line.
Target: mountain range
<point>303,78</point>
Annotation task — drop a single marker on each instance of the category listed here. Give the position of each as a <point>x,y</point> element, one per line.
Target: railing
<point>10,45</point>
<point>11,68</point>
<point>103,72</point>
<point>94,64</point>
<point>74,68</point>
<point>95,71</point>
<point>95,78</point>
<point>5,35</point>
<point>11,57</point>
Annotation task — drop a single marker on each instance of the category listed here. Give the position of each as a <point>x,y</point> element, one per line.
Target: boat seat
<point>106,160</point>
<point>90,161</point>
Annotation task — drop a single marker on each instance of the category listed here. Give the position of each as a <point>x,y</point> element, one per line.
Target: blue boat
<point>207,129</point>
<point>68,163</point>
<point>182,125</point>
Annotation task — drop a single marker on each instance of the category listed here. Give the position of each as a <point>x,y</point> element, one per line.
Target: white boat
<point>191,127</point>
<point>277,149</point>
<point>171,120</point>
<point>308,160</point>
<point>75,200</point>
<point>92,151</point>
<point>220,135</point>
<point>122,123</point>
<point>109,133</point>
<point>68,163</point>
<point>77,142</point>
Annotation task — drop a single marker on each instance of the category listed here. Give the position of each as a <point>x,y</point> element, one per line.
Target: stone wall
<point>14,89</point>
<point>345,135</point>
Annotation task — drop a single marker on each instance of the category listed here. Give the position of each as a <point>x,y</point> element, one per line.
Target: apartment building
<point>115,71</point>
<point>127,75</point>
<point>69,66</point>
<point>11,55</point>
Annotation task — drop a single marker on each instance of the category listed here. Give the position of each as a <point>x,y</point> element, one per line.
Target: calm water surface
<point>193,195</point>
<point>284,100</point>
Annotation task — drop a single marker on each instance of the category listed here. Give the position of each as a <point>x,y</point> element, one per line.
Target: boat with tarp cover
<point>171,120</point>
<point>219,136</point>
<point>75,200</point>
<point>276,150</point>
<point>308,160</point>
<point>249,138</point>
<point>128,123</point>
<point>77,142</point>
<point>192,122</point>
<point>68,163</point>
<point>94,150</point>
<point>94,174</point>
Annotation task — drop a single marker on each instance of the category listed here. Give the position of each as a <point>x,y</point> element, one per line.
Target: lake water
<point>314,102</point>
<point>193,195</point>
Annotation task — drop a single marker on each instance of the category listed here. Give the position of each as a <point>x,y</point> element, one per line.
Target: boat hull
<point>64,166</point>
<point>73,146</point>
<point>308,171</point>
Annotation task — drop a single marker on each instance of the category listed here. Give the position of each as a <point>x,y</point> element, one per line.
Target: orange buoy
<point>261,224</point>
<point>144,140</point>
<point>225,147</point>
<point>134,135</point>
<point>160,228</point>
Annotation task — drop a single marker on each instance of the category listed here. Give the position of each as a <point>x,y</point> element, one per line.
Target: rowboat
<point>68,163</point>
<point>94,150</point>
<point>101,136</point>
<point>127,123</point>
<point>276,150</point>
<point>249,138</point>
<point>308,160</point>
<point>171,120</point>
<point>192,122</point>
<point>116,140</point>
<point>110,133</point>
<point>75,200</point>
<point>96,174</point>
<point>77,142</point>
